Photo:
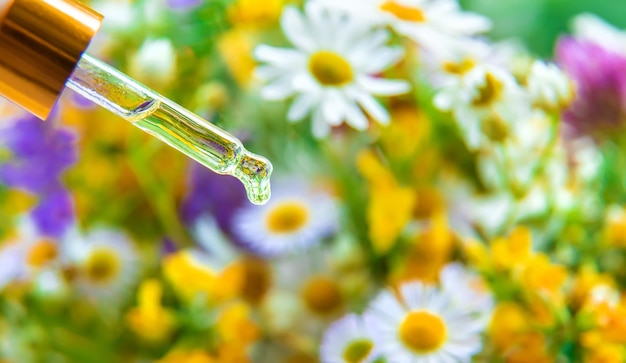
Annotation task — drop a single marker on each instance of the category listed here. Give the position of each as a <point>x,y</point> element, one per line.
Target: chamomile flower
<point>349,340</point>
<point>467,289</point>
<point>295,218</point>
<point>438,26</point>
<point>27,254</point>
<point>105,262</point>
<point>549,87</point>
<point>332,72</point>
<point>154,63</point>
<point>485,103</point>
<point>423,325</point>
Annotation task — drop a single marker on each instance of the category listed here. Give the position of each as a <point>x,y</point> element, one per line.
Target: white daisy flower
<point>350,340</point>
<point>295,218</point>
<point>424,326</point>
<point>154,63</point>
<point>106,264</point>
<point>468,290</point>
<point>332,72</point>
<point>23,257</point>
<point>438,26</point>
<point>486,102</point>
<point>549,87</point>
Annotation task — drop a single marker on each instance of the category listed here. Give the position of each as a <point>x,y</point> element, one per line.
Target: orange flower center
<point>287,217</point>
<point>422,331</point>
<point>41,253</point>
<point>357,351</point>
<point>403,12</point>
<point>330,68</point>
<point>322,295</point>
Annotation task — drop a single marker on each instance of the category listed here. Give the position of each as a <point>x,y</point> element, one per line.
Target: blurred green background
<point>539,22</point>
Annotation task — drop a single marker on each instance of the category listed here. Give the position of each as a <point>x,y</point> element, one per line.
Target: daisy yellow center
<point>102,266</point>
<point>495,128</point>
<point>330,68</point>
<point>287,217</point>
<point>357,351</point>
<point>322,295</point>
<point>257,280</point>
<point>41,253</point>
<point>459,68</point>
<point>489,92</point>
<point>423,332</point>
<point>403,12</point>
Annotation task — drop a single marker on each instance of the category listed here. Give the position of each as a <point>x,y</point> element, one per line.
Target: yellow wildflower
<point>390,206</point>
<point>408,130</point>
<point>235,325</point>
<point>615,228</point>
<point>149,319</point>
<point>428,254</point>
<point>508,253</point>
<point>540,275</point>
<point>255,13</point>
<point>235,47</point>
<point>585,282</point>
<point>508,322</point>
<point>191,356</point>
<point>388,212</point>
<point>371,168</point>
<point>610,322</point>
<point>606,353</point>
<point>513,337</point>
<point>476,253</point>
<point>191,278</point>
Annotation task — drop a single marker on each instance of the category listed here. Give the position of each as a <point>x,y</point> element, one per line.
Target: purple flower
<point>218,195</point>
<point>183,5</point>
<point>600,77</point>
<point>41,152</point>
<point>54,213</point>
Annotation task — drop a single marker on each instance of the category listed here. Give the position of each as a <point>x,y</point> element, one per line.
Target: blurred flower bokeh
<point>444,190</point>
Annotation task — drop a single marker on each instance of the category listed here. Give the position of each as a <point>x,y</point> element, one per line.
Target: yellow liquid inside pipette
<point>173,124</point>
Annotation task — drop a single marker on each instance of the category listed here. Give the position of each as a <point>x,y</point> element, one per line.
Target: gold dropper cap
<point>41,41</point>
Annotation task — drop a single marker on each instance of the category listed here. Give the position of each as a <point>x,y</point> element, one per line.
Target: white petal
<point>279,57</point>
<point>320,127</point>
<point>267,72</point>
<point>333,107</point>
<point>355,117</point>
<point>300,107</point>
<point>382,60</point>
<point>278,90</point>
<point>296,29</point>
<point>383,87</point>
<point>374,108</point>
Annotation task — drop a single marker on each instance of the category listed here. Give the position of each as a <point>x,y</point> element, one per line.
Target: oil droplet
<point>254,172</point>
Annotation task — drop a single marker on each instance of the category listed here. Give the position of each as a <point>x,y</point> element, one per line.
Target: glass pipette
<point>173,124</point>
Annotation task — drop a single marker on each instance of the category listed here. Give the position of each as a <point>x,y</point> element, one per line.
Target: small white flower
<point>549,87</point>
<point>349,340</point>
<point>438,26</point>
<point>154,63</point>
<point>423,325</point>
<point>332,72</point>
<point>296,218</point>
<point>485,102</point>
<point>105,262</point>
<point>468,290</point>
<point>22,258</point>
<point>592,28</point>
